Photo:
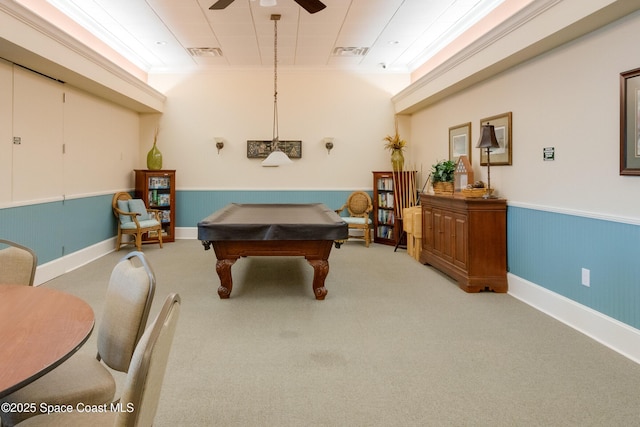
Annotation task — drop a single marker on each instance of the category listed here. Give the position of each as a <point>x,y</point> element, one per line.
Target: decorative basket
<point>475,192</point>
<point>443,187</point>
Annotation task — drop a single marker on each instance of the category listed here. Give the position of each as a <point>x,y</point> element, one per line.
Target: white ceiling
<point>156,34</point>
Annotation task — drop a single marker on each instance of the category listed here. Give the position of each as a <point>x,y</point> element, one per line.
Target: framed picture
<point>460,141</point>
<point>630,122</point>
<point>261,149</point>
<point>502,154</point>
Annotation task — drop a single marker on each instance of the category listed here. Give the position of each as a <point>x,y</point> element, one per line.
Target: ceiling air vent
<point>205,51</point>
<point>350,51</point>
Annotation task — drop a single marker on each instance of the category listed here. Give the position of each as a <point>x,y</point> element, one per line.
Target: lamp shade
<point>488,137</point>
<point>267,3</point>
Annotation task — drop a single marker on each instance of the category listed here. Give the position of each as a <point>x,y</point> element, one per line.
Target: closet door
<point>6,135</point>
<point>38,122</point>
<point>101,144</point>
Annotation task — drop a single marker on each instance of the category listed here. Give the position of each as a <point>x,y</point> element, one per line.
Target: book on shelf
<point>385,200</point>
<point>385,232</point>
<point>385,184</point>
<point>386,216</point>
<point>159,182</point>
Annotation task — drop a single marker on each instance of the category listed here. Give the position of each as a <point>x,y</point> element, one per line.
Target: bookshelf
<point>386,227</point>
<point>157,189</point>
<point>383,208</point>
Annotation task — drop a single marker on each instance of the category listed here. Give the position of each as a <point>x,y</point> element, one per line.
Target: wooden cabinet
<point>388,199</point>
<point>158,190</point>
<point>467,240</point>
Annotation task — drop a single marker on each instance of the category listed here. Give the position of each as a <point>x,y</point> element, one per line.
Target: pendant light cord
<point>275,86</point>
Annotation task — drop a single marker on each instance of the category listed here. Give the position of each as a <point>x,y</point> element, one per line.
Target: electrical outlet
<point>586,277</point>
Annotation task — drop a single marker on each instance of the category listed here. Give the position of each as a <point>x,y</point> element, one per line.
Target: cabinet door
<point>438,232</point>
<point>448,235</point>
<point>427,228</point>
<point>459,241</point>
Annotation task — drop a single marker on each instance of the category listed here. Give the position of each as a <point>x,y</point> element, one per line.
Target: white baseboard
<point>610,332</point>
<point>67,263</point>
<point>186,232</point>
<point>59,266</point>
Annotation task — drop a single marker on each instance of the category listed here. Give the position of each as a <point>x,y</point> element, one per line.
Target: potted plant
<point>442,176</point>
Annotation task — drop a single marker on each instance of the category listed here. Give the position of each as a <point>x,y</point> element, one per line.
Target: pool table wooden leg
<point>223,268</point>
<point>320,271</point>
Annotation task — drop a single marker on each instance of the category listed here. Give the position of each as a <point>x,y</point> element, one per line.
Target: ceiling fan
<point>311,6</point>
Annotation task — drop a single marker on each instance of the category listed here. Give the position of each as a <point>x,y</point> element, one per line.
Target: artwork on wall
<point>502,127</point>
<point>261,149</point>
<point>630,122</point>
<point>460,141</point>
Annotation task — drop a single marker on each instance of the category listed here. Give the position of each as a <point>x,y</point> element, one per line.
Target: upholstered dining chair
<point>86,378</point>
<point>17,263</point>
<point>142,388</point>
<point>358,207</point>
<point>135,219</point>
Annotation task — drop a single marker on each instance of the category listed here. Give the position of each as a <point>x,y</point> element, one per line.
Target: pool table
<point>240,230</point>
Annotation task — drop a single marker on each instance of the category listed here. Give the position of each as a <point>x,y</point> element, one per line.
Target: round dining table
<point>39,329</point>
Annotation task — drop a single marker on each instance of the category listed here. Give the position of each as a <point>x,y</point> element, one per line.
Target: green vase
<point>154,158</point>
<point>397,160</point>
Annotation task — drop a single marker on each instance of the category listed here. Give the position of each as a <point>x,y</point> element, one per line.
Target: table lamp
<point>488,140</point>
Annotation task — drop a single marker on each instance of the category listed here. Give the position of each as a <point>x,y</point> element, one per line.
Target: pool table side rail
<point>258,222</point>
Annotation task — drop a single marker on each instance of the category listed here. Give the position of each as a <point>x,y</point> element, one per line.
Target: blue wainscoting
<point>550,249</point>
<point>59,228</point>
<point>193,206</point>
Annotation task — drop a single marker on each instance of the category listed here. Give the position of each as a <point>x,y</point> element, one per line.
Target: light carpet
<point>395,343</point>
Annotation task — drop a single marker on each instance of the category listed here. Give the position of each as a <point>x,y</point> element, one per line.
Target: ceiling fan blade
<point>311,6</point>
<point>220,4</point>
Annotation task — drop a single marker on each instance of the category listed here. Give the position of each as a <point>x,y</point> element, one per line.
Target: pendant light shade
<point>267,3</point>
<point>276,158</point>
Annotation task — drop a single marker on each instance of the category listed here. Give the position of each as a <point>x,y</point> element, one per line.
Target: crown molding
<point>537,28</point>
<point>29,40</point>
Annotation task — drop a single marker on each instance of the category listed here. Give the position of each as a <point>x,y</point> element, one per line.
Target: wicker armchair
<point>359,207</point>
<point>134,219</point>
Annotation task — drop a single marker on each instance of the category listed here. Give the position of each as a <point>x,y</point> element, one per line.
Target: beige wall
<point>355,109</point>
<point>567,98</point>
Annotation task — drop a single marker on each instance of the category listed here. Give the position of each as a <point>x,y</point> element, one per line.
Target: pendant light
<point>277,157</point>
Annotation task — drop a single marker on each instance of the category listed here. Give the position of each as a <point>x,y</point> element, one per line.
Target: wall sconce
<point>328,144</point>
<point>219,143</point>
